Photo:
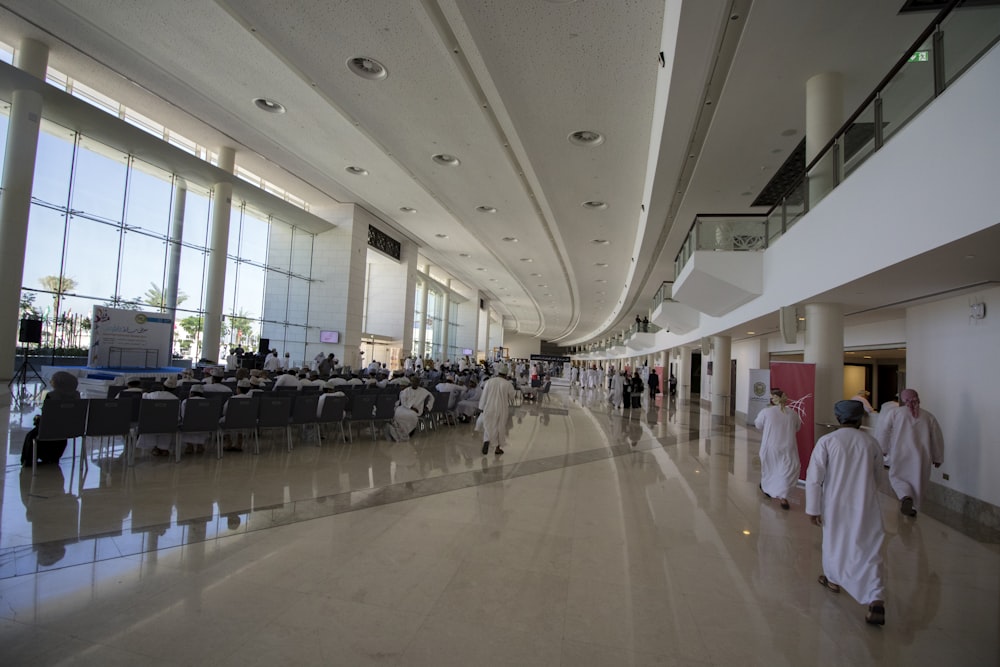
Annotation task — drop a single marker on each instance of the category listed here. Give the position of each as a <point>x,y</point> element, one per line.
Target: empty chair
<point>275,412</point>
<point>305,410</point>
<point>240,418</point>
<point>363,409</point>
<point>108,418</point>
<point>543,392</point>
<point>61,419</point>
<point>385,406</point>
<point>157,417</point>
<point>200,416</point>
<point>332,412</point>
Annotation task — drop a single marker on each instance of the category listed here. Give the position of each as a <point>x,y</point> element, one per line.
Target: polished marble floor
<point>599,538</point>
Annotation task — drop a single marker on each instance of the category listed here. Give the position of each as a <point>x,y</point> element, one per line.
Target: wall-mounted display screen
<point>329,336</point>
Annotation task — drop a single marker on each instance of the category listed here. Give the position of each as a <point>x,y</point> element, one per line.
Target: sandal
<point>876,614</point>
<point>829,584</point>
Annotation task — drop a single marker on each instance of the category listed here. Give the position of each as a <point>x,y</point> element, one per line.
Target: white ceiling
<point>500,84</point>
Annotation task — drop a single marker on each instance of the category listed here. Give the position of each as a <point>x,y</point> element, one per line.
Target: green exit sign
<point>920,57</point>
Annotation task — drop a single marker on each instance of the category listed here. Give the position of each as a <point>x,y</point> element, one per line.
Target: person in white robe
<point>231,361</point>
<point>779,455</point>
<point>159,444</point>
<point>912,442</point>
<point>494,404</point>
<point>468,401</point>
<point>842,497</point>
<point>271,362</point>
<point>862,398</point>
<point>413,402</point>
<point>617,393</point>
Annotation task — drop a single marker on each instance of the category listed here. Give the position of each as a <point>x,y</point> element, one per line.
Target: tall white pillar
<point>824,116</point>
<point>215,282</point>
<point>410,259</point>
<point>422,324</point>
<point>721,381</point>
<point>825,348</point>
<point>15,203</point>
<point>683,375</point>
<point>446,303</point>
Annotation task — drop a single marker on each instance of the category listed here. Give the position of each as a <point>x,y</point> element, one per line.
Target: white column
<point>683,375</point>
<point>446,302</point>
<point>721,384</point>
<point>824,116</point>
<point>410,259</point>
<point>215,282</point>
<point>15,203</point>
<point>422,323</point>
<point>825,348</point>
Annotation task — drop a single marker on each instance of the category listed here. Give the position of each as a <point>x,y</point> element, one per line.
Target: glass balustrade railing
<point>957,37</point>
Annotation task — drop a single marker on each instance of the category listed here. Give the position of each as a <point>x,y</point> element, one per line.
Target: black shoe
<point>875,615</point>
<point>486,448</point>
<point>906,507</point>
<point>498,451</point>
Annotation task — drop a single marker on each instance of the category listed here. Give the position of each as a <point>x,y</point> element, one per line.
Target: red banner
<point>798,381</point>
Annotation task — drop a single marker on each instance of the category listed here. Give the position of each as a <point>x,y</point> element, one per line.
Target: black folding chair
<point>108,418</point>
<point>305,411</point>
<point>385,407</point>
<point>363,409</point>
<point>332,412</point>
<point>157,416</point>
<point>200,416</point>
<point>275,412</point>
<point>240,416</point>
<point>62,419</point>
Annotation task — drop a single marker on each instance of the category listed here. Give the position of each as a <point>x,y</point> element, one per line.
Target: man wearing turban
<point>911,439</point>
<point>842,497</point>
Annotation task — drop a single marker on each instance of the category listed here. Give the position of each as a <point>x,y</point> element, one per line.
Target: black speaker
<point>265,346</point>
<point>30,331</point>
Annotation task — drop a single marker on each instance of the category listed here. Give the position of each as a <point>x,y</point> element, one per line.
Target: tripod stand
<point>21,377</point>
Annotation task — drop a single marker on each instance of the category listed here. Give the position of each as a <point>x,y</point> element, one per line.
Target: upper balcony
<point>721,264</point>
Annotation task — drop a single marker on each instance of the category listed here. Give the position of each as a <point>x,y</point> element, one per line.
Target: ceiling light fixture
<point>367,68</point>
<point>527,259</point>
<point>356,171</point>
<point>407,209</point>
<point>603,265</point>
<point>594,205</point>
<point>586,138</point>
<point>510,239</point>
<point>480,268</point>
<point>464,254</point>
<point>441,236</point>
<point>486,209</point>
<point>601,241</point>
<point>269,105</point>
<point>447,160</point>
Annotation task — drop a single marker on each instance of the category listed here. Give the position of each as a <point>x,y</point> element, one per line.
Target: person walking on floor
<point>911,439</point>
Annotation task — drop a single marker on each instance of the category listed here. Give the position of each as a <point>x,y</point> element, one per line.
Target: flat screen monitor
<point>329,336</point>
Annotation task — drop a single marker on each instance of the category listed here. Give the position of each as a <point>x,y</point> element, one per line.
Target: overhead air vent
<point>367,68</point>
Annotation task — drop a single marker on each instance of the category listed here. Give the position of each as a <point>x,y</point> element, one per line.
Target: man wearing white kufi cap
<point>498,392</point>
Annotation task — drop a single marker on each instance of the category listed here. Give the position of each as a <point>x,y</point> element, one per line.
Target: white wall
<point>386,297</point>
<point>521,346</point>
<point>954,363</point>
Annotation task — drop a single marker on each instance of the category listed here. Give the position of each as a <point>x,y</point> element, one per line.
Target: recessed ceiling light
<point>790,132</point>
<point>603,265</point>
<point>441,236</point>
<point>546,294</point>
<point>510,239</point>
<point>601,280</point>
<point>527,259</point>
<point>601,241</point>
<point>269,105</point>
<point>751,333</point>
<point>486,209</point>
<point>542,285</point>
<point>447,160</point>
<point>970,257</point>
<point>407,209</point>
<point>464,254</point>
<point>367,68</point>
<point>594,205</point>
<point>746,194</point>
<point>480,268</point>
<point>493,280</point>
<point>586,138</point>
<point>536,275</point>
<point>601,293</point>
<point>357,171</point>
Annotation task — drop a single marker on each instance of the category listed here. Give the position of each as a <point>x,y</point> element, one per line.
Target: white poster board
<point>760,392</point>
<point>129,338</point>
